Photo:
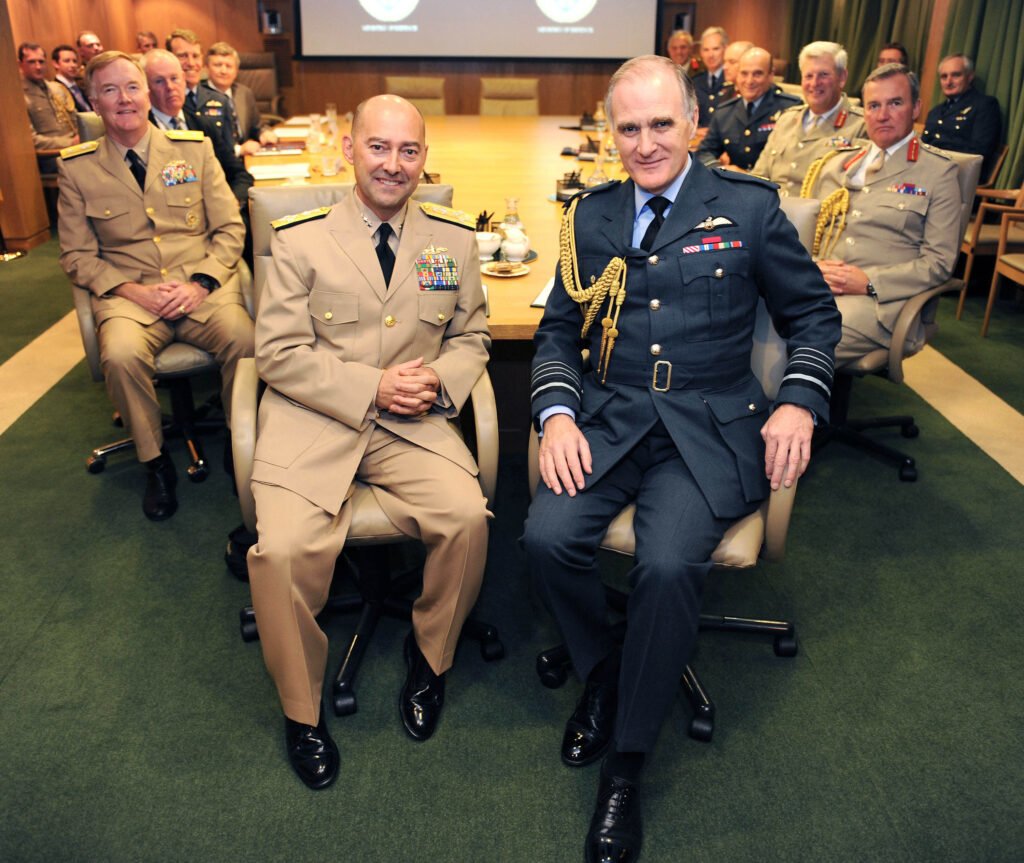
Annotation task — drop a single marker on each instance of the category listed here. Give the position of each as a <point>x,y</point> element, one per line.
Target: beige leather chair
<point>258,71</point>
<point>176,365</point>
<point>509,97</point>
<point>888,362</point>
<point>427,94</point>
<point>90,125</point>
<point>378,595</point>
<point>1009,263</point>
<point>760,535</point>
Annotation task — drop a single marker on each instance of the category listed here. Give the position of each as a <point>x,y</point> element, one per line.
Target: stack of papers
<point>292,133</point>
<point>294,171</point>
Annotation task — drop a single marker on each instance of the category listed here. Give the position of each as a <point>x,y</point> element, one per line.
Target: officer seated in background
<point>967,121</point>
<point>709,82</point>
<point>51,109</point>
<point>893,52</point>
<point>804,132</point>
<point>740,127</point>
<point>225,95</point>
<point>900,203</point>
<point>150,227</point>
<point>370,336</point>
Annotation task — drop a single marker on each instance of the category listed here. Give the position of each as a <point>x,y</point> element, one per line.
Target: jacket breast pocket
<point>905,213</point>
<point>185,205</point>
<point>335,317</point>
<point>718,293</point>
<point>435,310</point>
<point>114,221</point>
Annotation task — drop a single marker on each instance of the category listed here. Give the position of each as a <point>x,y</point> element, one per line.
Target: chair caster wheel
<point>701,728</point>
<point>492,651</point>
<point>785,645</point>
<point>345,704</point>
<point>198,471</point>
<point>96,464</point>
<point>908,473</point>
<point>553,678</point>
<point>910,430</point>
<point>247,624</point>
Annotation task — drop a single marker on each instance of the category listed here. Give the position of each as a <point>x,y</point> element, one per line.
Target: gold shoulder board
<point>185,135</point>
<point>299,218</point>
<point>447,214</point>
<point>79,149</point>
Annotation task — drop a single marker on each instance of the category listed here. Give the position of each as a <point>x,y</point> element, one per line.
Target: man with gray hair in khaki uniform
<point>901,203</point>
<point>827,121</point>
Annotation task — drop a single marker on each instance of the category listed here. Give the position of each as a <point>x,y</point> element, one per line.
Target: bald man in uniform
<point>803,133</point>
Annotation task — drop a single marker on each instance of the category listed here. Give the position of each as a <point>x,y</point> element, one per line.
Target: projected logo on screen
<point>389,10</point>
<point>566,11</point>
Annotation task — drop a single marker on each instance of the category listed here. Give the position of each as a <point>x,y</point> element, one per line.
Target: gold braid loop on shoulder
<point>831,221</point>
<point>811,177</point>
<point>611,286</point>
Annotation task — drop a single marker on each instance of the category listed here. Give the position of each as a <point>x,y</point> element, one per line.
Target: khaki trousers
<point>128,352</point>
<point>290,567</point>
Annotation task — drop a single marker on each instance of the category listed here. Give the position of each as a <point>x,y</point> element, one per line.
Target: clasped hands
<point>169,300</point>
<point>843,278</point>
<point>408,389</point>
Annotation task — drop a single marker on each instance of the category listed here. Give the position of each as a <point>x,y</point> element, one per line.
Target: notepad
<point>294,171</point>
<point>542,297</point>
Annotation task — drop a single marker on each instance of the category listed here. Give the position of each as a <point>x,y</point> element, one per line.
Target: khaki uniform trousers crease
<point>426,497</point>
<point>128,352</point>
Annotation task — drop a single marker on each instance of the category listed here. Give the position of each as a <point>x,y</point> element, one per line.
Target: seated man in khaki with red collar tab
<point>150,227</point>
<point>895,205</point>
<point>370,336</point>
<point>826,122</point>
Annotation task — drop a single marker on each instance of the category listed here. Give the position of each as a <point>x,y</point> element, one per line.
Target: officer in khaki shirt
<point>150,227</point>
<point>805,132</point>
<point>51,110</point>
<point>901,201</point>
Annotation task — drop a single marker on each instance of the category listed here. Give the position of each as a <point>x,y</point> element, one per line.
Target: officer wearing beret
<point>805,132</point>
<point>150,227</point>
<point>659,278</point>
<point>740,128</point>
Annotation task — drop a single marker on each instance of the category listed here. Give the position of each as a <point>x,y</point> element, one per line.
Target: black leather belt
<point>664,375</point>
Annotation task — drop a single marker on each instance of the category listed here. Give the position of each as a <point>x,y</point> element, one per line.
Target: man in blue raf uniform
<point>967,121</point>
<point>740,127</point>
<point>661,275</point>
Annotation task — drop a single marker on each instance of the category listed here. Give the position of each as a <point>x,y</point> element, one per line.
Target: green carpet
<point>35,295</point>
<point>136,726</point>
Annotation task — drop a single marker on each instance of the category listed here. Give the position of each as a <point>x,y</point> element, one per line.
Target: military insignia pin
<point>436,270</point>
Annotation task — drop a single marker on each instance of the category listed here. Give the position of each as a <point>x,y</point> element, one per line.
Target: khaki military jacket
<point>790,149</point>
<point>327,326</point>
<point>903,227</point>
<point>185,222</point>
<point>51,110</point>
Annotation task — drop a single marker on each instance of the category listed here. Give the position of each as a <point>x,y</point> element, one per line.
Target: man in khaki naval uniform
<point>51,109</point>
<point>827,121</point>
<point>157,244</point>
<point>902,231</point>
<point>364,368</point>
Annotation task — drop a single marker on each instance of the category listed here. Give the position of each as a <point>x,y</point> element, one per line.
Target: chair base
<point>185,422</point>
<point>553,664</point>
<point>380,594</point>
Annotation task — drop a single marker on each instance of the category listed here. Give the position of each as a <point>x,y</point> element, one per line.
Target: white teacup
<point>515,246</point>
<point>489,243</point>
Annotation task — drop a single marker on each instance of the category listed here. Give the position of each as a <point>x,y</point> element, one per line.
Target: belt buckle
<point>668,377</point>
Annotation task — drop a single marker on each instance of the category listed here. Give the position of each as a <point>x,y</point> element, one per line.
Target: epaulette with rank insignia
<point>184,134</point>
<point>929,147</point>
<point>731,101</point>
<point>79,149</point>
<point>299,218</point>
<point>602,187</point>
<point>447,214</point>
<point>726,174</point>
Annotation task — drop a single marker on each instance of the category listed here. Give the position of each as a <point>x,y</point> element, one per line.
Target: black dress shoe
<point>616,830</point>
<point>422,697</point>
<point>159,501</point>
<point>589,730</point>
<point>312,752</point>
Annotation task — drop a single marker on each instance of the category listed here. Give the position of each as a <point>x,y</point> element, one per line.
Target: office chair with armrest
<point>90,125</point>
<point>176,365</point>
<point>917,316</point>
<point>427,94</point>
<point>509,97</point>
<point>380,593</point>
<point>258,71</point>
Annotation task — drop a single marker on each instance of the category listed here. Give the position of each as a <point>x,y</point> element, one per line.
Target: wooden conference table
<point>486,160</point>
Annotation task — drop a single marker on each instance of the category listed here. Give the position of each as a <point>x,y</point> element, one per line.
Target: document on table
<point>292,171</point>
<point>542,297</point>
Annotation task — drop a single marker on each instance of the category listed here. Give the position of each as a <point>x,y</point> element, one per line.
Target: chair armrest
<point>776,522</point>
<point>48,153</point>
<point>244,395</point>
<point>1010,215</point>
<point>87,327</point>
<point>999,194</point>
<point>909,314</point>
<point>485,424</point>
<point>272,119</point>
<point>245,284</point>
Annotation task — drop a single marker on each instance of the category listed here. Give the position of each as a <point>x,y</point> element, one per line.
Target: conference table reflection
<point>488,160</point>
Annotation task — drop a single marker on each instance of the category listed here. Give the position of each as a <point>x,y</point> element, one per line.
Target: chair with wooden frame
<point>1009,263</point>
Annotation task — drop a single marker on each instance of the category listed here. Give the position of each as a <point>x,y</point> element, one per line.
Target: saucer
<point>504,269</point>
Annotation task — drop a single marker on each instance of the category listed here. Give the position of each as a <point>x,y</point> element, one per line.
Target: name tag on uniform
<point>436,270</point>
<point>177,172</point>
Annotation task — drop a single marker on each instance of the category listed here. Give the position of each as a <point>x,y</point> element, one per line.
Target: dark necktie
<point>658,205</point>
<point>384,253</point>
<point>176,123</point>
<point>190,101</point>
<point>234,119</point>
<point>713,83</point>
<point>80,100</point>
<point>137,168</point>
<point>750,109</point>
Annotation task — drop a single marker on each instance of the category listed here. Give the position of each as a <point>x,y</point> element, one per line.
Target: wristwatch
<point>872,292</point>
<point>205,281</point>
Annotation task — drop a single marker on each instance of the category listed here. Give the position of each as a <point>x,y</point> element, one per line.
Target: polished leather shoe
<point>616,830</point>
<point>312,752</point>
<point>159,501</point>
<point>589,730</point>
<point>422,697</point>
